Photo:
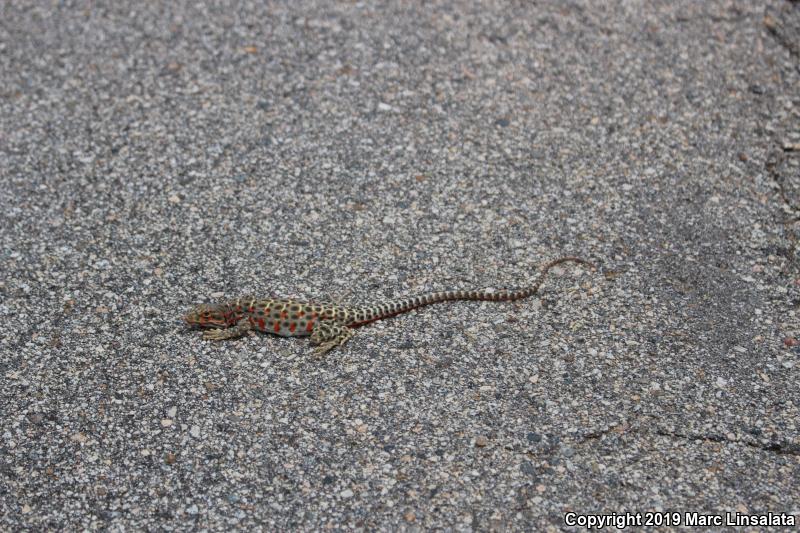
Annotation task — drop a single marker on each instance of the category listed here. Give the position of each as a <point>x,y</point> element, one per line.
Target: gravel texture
<point>154,156</point>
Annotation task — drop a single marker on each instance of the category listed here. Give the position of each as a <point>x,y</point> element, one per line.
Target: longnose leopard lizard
<point>331,325</point>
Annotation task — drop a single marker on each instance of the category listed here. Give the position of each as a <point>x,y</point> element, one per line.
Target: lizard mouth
<point>204,322</point>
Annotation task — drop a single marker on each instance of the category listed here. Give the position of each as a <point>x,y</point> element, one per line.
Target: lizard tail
<point>533,289</point>
<point>387,309</point>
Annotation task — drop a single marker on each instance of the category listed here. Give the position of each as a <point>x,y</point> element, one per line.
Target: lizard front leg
<point>328,335</point>
<point>241,327</point>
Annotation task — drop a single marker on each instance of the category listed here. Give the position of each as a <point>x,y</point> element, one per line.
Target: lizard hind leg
<point>328,335</point>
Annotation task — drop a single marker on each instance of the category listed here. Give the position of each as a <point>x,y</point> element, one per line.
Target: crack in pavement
<point>777,447</point>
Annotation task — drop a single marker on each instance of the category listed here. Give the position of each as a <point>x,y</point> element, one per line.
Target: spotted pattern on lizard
<point>331,325</point>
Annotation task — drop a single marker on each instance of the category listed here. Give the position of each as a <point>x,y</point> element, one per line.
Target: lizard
<point>331,325</point>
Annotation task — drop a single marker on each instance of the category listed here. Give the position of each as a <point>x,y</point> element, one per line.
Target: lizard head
<point>210,316</point>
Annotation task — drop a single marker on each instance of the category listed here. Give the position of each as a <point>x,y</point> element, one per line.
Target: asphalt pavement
<point>162,154</point>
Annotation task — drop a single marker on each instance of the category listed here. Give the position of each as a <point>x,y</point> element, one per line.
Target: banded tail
<point>387,309</point>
